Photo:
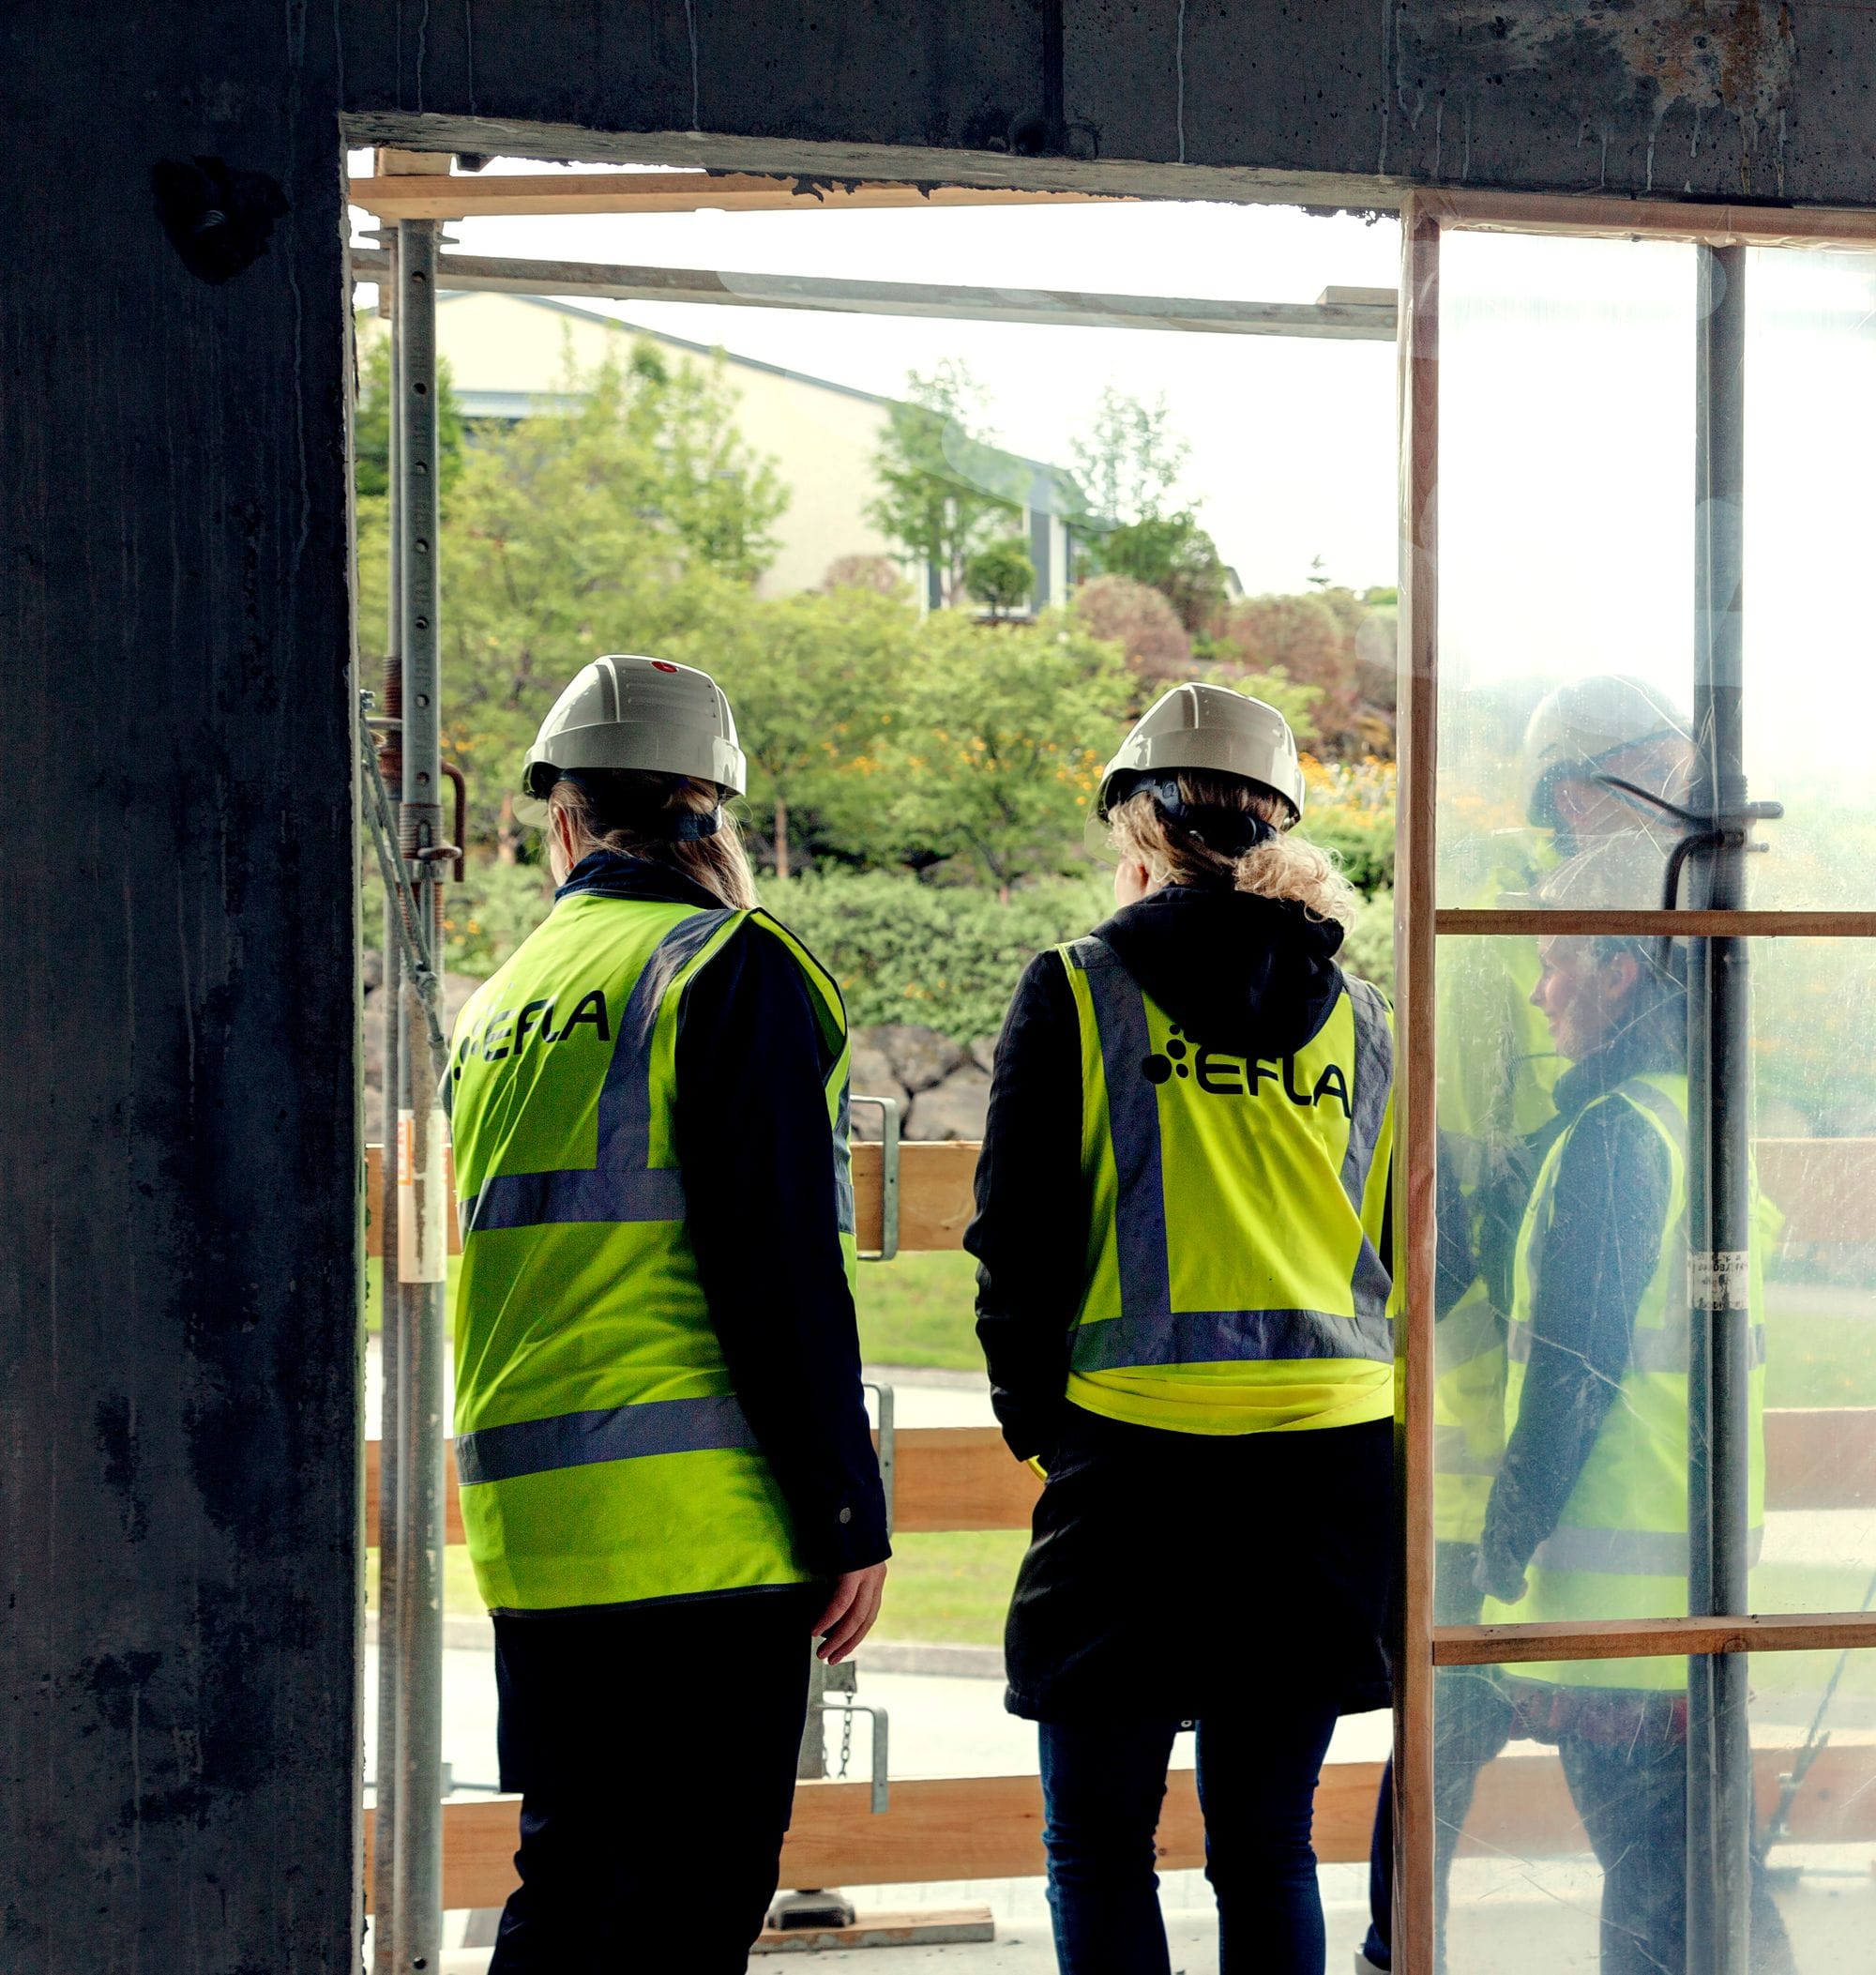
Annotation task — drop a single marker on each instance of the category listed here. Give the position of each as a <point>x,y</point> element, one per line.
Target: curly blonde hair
<point>1281,867</point>
<point>625,811</point>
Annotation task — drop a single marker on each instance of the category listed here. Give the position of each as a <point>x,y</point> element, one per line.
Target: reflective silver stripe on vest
<point>1367,1107</point>
<point>617,1432</point>
<point>1654,1348</point>
<point>1623,1553</point>
<point>1148,1330</point>
<point>622,1184</point>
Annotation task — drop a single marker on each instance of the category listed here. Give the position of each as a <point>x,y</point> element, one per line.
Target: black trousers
<point>654,1747</point>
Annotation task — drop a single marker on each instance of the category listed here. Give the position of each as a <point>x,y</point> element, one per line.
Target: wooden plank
<point>1640,1639</point>
<point>443,197</point>
<point>912,1926</point>
<point>964,1478</point>
<point>990,1826</point>
<point>1456,922</point>
<point>935,1198</point>
<point>960,1478</point>
<point>1050,308</point>
<point>1602,217</point>
<point>1821,1457</point>
<point>1825,1188</point>
<point>1415,1186</point>
<point>453,1505</point>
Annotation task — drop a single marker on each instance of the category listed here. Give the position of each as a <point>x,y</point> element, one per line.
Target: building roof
<point>1062,487</point>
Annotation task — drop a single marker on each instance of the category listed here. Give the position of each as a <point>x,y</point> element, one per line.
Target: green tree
<point>999,742</point>
<point>629,515</point>
<point>812,680</point>
<point>372,422</point>
<point>1131,458</point>
<point>1002,577</point>
<point>1177,557</point>
<point>946,491</point>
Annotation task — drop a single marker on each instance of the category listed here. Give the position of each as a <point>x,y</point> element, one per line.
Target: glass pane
<point>1566,544</point>
<point>1561,1393</point>
<point>1811,509</point>
<point>1565,1806</point>
<point>1567,568</point>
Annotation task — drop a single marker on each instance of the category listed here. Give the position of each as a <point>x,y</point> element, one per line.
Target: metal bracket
<point>888,1451</point>
<point>848,1706</point>
<point>888,1246</point>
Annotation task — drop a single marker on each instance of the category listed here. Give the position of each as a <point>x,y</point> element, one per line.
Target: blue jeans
<point>1103,1786</point>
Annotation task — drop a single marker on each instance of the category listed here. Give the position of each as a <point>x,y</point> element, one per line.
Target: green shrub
<point>1368,949</point>
<point>946,956</point>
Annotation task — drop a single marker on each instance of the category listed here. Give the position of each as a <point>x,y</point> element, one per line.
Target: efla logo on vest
<point>1238,1076</point>
<point>512,1028</point>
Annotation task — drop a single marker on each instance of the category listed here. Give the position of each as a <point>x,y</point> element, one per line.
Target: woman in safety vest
<point>667,1482</point>
<point>1184,1296</point>
<point>1588,1515</point>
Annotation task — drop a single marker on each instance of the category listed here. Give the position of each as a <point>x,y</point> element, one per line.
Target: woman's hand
<point>852,1606</point>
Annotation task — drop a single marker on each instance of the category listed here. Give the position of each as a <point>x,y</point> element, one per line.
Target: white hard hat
<point>1577,727</point>
<point>624,712</point>
<point>1213,730</point>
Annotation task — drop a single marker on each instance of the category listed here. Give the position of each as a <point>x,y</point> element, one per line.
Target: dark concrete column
<point>180,1357</point>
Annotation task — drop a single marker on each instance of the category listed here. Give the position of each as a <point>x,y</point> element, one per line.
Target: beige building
<point>508,352</point>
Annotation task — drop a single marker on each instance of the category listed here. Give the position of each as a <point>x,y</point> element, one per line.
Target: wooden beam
<point>964,1478</point>
<point>1416,1189</point>
<point>1604,218</point>
<point>443,197</point>
<point>1825,1187</point>
<point>990,1826</point>
<point>936,1199</point>
<point>1454,922</point>
<point>1649,1638</point>
<point>1048,308</point>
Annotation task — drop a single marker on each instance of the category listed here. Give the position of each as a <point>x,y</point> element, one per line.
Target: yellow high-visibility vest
<point>1234,1279</point>
<point>1620,1547</point>
<point>603,1454</point>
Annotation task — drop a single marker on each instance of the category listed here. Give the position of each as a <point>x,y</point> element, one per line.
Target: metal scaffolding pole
<point>390,1300</point>
<point>1720,1187</point>
<point>418,1868</point>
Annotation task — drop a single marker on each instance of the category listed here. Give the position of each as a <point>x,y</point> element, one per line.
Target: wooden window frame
<point>1419,925</point>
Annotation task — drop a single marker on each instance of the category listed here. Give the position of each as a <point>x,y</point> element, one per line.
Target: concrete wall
<point>1333,101</point>
<point>178,1349</point>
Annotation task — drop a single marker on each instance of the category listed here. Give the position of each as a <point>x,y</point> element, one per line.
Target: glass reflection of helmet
<point>1577,730</point>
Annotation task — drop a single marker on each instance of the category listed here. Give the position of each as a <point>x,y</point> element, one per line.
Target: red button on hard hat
<point>662,666</point>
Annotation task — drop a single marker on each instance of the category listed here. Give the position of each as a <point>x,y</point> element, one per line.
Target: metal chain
<point>846,1740</point>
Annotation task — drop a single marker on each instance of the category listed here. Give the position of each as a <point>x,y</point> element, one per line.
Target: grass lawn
<point>919,1311</point>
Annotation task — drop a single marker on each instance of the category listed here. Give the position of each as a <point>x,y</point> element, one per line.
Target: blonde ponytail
<point>1281,867</point>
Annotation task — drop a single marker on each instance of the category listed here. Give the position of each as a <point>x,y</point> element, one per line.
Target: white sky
<point>1292,441</point>
<point>1567,515</point>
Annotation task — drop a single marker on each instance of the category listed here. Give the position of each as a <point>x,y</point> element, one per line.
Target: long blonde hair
<point>628,811</point>
<point>1281,867</point>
